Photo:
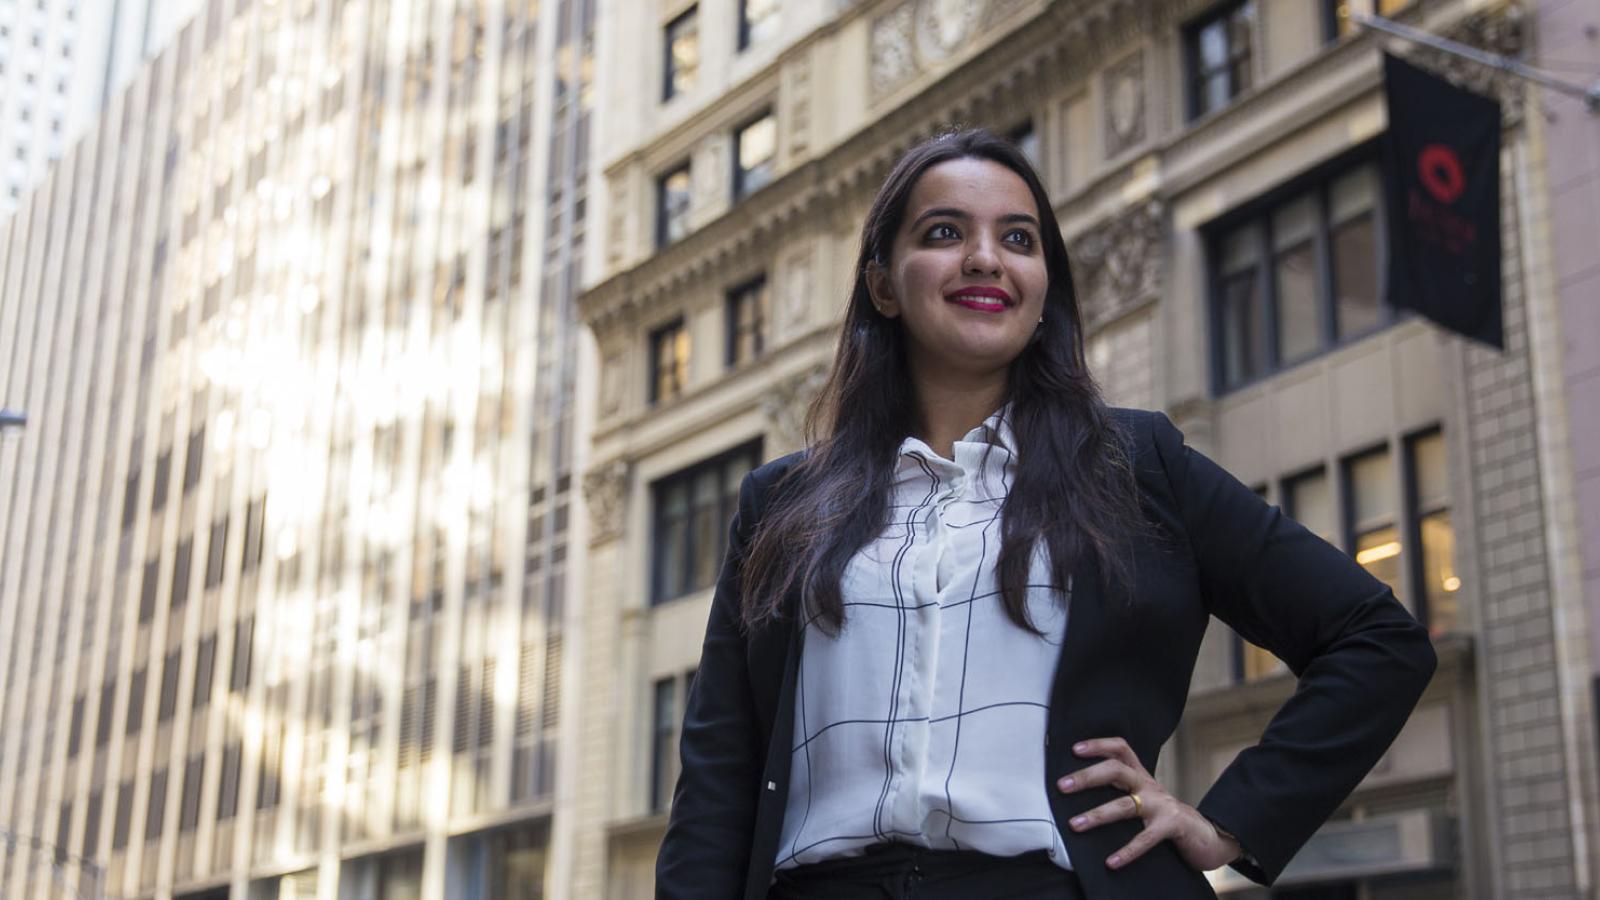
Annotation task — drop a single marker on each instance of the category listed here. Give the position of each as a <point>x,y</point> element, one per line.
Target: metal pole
<point>1590,94</point>
<point>12,418</point>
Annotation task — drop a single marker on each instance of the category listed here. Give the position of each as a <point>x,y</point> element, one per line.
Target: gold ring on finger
<point>1138,805</point>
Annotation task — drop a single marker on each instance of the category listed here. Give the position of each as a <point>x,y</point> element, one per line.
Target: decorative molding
<point>613,374</point>
<point>799,106</point>
<point>1502,34</point>
<point>785,406</point>
<point>892,62</point>
<point>1119,264</point>
<point>798,292</point>
<point>944,25</point>
<point>1123,99</point>
<point>605,489</point>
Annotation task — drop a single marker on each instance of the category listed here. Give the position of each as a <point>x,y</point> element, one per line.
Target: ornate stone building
<point>1214,167</point>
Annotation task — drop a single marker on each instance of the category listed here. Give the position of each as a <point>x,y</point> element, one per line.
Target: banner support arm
<point>1590,94</point>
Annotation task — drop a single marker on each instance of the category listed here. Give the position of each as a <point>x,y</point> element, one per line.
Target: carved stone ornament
<point>785,406</point>
<point>799,290</point>
<point>1499,34</point>
<point>800,105</point>
<point>944,25</point>
<point>605,489</point>
<point>1119,264</point>
<point>612,376</point>
<point>1124,105</point>
<point>892,60</point>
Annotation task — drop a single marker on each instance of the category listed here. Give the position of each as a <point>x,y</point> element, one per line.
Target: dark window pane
<point>1355,275</point>
<point>189,804</point>
<point>204,662</point>
<point>243,636</point>
<point>664,749</point>
<point>180,572</point>
<point>672,206</point>
<point>756,148</point>
<point>136,701</point>
<point>682,54</point>
<point>169,687</point>
<point>119,828</point>
<point>156,812</point>
<point>228,789</point>
<point>706,528</point>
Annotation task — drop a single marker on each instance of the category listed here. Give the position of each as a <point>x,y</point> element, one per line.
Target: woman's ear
<point>879,290</point>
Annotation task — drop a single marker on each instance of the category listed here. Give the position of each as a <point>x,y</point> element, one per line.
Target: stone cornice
<point>1061,37</point>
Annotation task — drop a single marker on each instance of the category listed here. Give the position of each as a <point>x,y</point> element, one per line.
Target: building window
<point>664,739</point>
<point>158,496</point>
<point>1374,508</point>
<point>228,788</point>
<point>692,510</point>
<point>155,813</point>
<point>671,699</point>
<point>124,815</point>
<point>682,40</point>
<point>204,661</point>
<point>758,21</point>
<point>746,316</point>
<point>1336,13</point>
<point>755,154</point>
<point>1384,512</point>
<point>1428,490</point>
<point>180,572</point>
<point>216,552</point>
<point>243,636</point>
<point>669,361</point>
<point>136,702</point>
<point>1296,277</point>
<point>189,803</point>
<point>672,206</point>
<point>169,687</point>
<point>1218,51</point>
<point>147,590</point>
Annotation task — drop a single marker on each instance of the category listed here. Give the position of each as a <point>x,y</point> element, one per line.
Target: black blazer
<point>1361,659</point>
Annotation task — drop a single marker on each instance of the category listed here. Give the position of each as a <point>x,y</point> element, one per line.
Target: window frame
<point>656,336</point>
<point>690,16</point>
<point>1193,77</point>
<point>1408,521</point>
<point>659,593</point>
<point>741,187</point>
<point>758,288</point>
<point>663,217</point>
<point>1255,216</point>
<point>744,42</point>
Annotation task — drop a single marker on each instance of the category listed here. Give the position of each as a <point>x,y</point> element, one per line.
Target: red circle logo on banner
<point>1440,171</point>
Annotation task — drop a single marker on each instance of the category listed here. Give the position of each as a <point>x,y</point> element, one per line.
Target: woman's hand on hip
<point>1166,818</point>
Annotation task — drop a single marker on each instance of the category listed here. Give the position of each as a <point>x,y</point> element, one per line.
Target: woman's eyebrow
<point>951,212</point>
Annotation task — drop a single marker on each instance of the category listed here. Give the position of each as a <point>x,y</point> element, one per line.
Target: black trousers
<point>897,871</point>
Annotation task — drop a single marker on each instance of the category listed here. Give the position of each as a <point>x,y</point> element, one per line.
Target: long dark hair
<point>1074,484</point>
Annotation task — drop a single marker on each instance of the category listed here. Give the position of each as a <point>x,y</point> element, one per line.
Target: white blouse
<point>924,720</point>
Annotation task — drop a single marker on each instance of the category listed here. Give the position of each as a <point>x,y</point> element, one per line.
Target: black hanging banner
<point>1442,181</point>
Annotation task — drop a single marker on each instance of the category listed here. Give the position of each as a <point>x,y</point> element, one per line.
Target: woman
<point>949,639</point>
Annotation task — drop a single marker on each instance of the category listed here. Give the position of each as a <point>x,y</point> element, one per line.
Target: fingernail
<point>1066,784</point>
<point>1114,861</point>
<point>1078,822</point>
<point>1079,748</point>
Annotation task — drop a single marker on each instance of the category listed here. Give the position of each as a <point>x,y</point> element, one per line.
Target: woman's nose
<point>982,260</point>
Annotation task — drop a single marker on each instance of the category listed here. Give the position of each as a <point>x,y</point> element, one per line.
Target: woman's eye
<point>942,232</point>
<point>1020,237</point>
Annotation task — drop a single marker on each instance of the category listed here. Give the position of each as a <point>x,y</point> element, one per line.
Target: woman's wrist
<point>1238,848</point>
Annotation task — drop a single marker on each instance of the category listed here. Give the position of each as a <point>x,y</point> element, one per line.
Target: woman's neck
<point>948,409</point>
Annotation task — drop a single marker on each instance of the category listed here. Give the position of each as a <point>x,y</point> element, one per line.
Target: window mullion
<point>1267,290</point>
<point>1323,254</point>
